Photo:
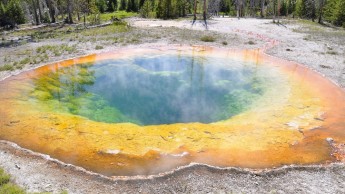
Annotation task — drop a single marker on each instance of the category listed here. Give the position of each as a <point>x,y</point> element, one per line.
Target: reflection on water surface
<point>159,89</point>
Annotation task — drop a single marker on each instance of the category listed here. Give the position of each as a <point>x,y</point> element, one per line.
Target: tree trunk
<point>195,8</point>
<point>51,10</point>
<point>321,2</point>
<point>238,9</point>
<point>69,9</point>
<point>320,16</point>
<point>312,10</point>
<point>252,8</point>
<point>262,8</point>
<point>274,11</point>
<point>37,20</point>
<point>287,9</point>
<point>168,9</point>
<point>39,10</point>
<point>278,10</point>
<point>205,12</point>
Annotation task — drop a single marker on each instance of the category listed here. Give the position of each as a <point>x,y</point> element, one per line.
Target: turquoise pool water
<point>155,89</point>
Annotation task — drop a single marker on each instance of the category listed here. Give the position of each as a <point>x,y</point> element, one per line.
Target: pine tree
<point>328,10</point>
<point>114,4</point>
<point>102,5</point>
<point>301,8</point>
<point>141,3</point>
<point>145,9</point>
<point>2,10</point>
<point>160,9</point>
<point>339,13</point>
<point>129,6</point>
<point>15,12</point>
<point>283,8</point>
<point>123,5</point>
<point>2,14</point>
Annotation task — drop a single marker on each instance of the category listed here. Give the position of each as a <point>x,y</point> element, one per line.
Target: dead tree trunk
<point>313,10</point>
<point>321,4</point>
<point>39,10</point>
<point>240,6</point>
<point>278,10</point>
<point>205,12</point>
<point>51,8</point>
<point>252,8</point>
<point>274,11</point>
<point>34,7</point>
<point>195,8</point>
<point>69,10</point>
<point>262,8</point>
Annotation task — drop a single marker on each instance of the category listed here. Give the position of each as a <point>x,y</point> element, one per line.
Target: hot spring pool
<point>147,111</point>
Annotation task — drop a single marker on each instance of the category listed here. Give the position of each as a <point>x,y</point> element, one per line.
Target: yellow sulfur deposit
<point>289,124</point>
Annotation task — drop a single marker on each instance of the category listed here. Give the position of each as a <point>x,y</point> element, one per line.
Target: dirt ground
<point>318,47</point>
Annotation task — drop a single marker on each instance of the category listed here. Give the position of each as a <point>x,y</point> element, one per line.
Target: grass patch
<point>10,188</point>
<point>4,178</point>
<point>117,27</point>
<point>24,61</point>
<point>18,65</point>
<point>118,15</point>
<point>330,52</point>
<point>208,39</point>
<point>6,67</point>
<point>56,50</point>
<point>6,187</point>
<point>251,42</point>
<point>98,47</point>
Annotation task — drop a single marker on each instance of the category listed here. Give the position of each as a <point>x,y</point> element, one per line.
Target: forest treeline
<point>14,12</point>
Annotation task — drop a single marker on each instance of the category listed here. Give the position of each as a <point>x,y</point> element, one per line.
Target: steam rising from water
<point>157,89</point>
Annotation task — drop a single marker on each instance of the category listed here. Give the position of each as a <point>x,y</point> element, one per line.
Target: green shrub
<point>98,47</point>
<point>6,187</point>
<point>207,39</point>
<point>251,42</point>
<point>10,188</point>
<point>332,52</point>
<point>11,13</point>
<point>6,67</point>
<point>24,61</point>
<point>4,178</point>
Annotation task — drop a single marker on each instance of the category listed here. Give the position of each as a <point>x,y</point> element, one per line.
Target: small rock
<point>114,152</point>
<point>293,124</point>
<point>181,154</point>
<point>325,66</point>
<point>288,49</point>
<point>329,140</point>
<point>17,166</point>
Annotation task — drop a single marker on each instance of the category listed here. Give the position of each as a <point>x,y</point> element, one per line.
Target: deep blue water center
<point>159,89</point>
